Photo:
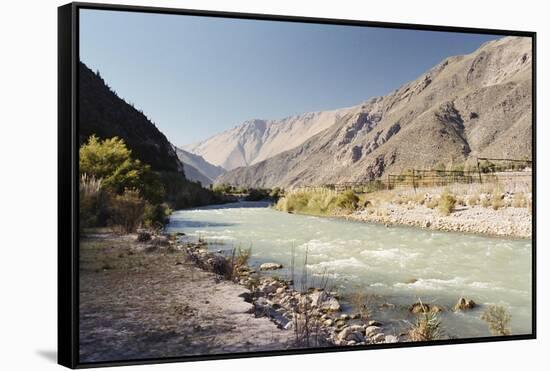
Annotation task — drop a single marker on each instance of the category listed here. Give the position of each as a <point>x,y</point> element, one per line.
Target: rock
<point>161,241</point>
<point>378,338</point>
<point>352,333</point>
<point>375,323</point>
<point>143,236</point>
<point>267,289</point>
<point>356,316</point>
<point>370,331</point>
<point>328,322</point>
<point>280,290</point>
<point>419,307</point>
<point>345,317</point>
<point>464,304</point>
<point>270,266</point>
<point>324,301</point>
<point>391,339</point>
<point>344,333</point>
<point>180,234</point>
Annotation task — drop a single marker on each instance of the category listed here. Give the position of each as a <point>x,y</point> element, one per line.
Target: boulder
<point>420,307</point>
<point>464,304</point>
<point>375,323</point>
<point>324,301</point>
<point>370,331</point>
<point>270,266</point>
<point>352,333</point>
<point>391,339</point>
<point>378,338</point>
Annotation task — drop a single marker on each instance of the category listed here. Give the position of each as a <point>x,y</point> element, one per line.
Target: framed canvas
<point>238,185</point>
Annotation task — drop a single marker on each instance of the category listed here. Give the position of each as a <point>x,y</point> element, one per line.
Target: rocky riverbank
<point>506,222</point>
<point>148,300</point>
<point>313,317</point>
<point>503,210</point>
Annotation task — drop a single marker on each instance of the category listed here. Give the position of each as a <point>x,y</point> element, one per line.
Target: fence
<point>487,170</point>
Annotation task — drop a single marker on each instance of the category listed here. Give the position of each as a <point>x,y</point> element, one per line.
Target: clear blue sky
<point>197,76</point>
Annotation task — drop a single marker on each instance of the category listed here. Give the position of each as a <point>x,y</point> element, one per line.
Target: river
<point>395,266</point>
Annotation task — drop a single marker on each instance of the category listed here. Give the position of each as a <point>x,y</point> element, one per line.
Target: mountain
<point>466,106</point>
<point>197,168</point>
<point>103,113</point>
<point>256,140</point>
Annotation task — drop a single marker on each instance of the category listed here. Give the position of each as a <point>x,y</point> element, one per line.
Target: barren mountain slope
<point>466,106</point>
<point>256,140</point>
<point>197,168</point>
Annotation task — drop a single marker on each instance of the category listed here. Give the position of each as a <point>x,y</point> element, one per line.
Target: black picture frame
<point>68,223</point>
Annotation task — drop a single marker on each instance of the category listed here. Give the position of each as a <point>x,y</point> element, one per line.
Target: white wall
<point>28,181</point>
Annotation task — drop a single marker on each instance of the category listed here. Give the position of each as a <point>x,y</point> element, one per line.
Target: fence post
<point>478,170</point>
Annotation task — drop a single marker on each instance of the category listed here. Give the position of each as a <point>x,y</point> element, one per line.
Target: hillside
<point>466,106</point>
<point>197,168</point>
<point>256,140</point>
<point>103,113</point>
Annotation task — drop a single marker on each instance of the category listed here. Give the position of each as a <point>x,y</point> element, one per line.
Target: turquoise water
<point>395,265</point>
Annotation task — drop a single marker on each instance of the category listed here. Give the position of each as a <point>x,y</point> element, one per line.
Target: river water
<point>394,266</point>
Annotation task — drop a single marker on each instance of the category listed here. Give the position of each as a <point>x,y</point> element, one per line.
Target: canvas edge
<point>68,191</point>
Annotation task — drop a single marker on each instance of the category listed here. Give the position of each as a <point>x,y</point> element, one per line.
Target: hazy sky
<point>197,76</point>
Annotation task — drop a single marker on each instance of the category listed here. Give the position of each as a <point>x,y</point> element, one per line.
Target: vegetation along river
<point>395,266</point>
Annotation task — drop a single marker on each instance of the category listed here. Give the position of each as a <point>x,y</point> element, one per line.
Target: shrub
<point>447,203</point>
<point>239,259</point>
<point>473,200</point>
<point>317,202</point>
<point>498,319</point>
<point>519,200</point>
<point>361,303</point>
<point>347,200</point>
<point>276,193</point>
<point>94,202</point>
<point>156,216</point>
<point>432,204</point>
<point>222,188</point>
<point>497,200</point>
<point>257,194</point>
<point>426,328</point>
<point>127,210</point>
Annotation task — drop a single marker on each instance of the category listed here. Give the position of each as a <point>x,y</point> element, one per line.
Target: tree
<point>111,161</point>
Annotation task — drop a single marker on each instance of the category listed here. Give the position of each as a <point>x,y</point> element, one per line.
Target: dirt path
<point>137,304</point>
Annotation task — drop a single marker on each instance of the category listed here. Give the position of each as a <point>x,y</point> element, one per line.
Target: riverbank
<point>507,222</point>
<point>163,298</point>
<point>146,299</point>
<point>503,210</point>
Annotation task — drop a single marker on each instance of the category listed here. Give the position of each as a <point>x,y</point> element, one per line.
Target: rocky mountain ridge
<point>466,106</point>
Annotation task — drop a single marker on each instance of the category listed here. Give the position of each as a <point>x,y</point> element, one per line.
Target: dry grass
<point>498,320</point>
<point>447,203</point>
<point>317,202</point>
<point>426,328</point>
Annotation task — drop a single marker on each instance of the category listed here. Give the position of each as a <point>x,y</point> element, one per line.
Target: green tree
<point>111,161</point>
